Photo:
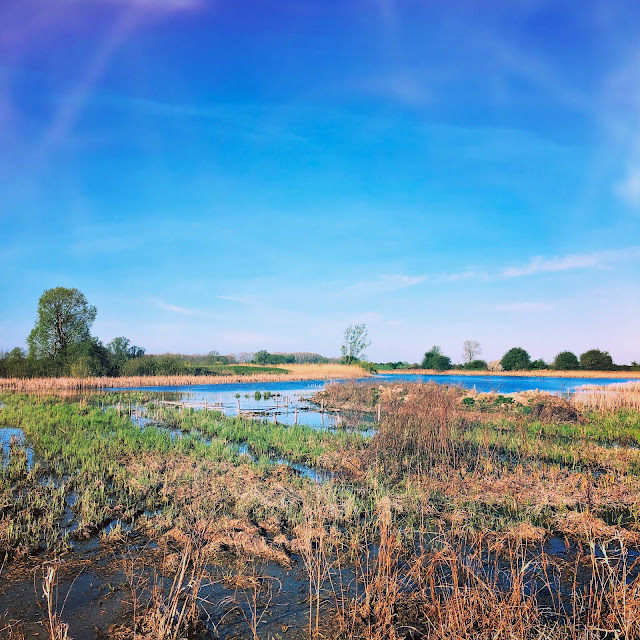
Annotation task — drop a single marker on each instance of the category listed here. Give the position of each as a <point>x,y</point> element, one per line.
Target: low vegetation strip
<point>288,373</point>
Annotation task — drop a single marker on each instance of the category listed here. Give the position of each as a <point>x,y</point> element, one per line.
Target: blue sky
<point>245,175</point>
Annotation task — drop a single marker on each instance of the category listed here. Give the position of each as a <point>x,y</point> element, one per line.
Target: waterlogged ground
<point>362,532</point>
<point>289,402</point>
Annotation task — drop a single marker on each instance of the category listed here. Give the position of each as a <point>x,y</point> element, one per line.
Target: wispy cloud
<point>524,307</point>
<point>463,275</point>
<point>165,306</point>
<point>384,284</point>
<point>239,299</point>
<point>596,259</point>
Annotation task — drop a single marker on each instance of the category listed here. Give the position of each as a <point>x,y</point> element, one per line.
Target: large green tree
<point>64,320</point>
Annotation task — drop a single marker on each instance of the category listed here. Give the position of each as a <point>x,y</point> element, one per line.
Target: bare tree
<point>471,350</point>
<point>356,340</point>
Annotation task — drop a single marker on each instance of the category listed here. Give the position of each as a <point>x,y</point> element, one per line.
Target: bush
<point>369,367</point>
<point>516,359</point>
<point>434,359</point>
<point>566,361</point>
<point>476,365</point>
<point>145,366</point>
<point>539,364</point>
<point>596,360</point>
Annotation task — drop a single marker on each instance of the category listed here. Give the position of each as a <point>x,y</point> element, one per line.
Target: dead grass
<point>609,397</point>
<point>295,372</point>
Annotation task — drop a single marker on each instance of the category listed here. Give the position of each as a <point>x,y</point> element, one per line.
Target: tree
<point>119,349</point>
<point>356,340</point>
<point>136,352</point>
<point>471,350</point>
<point>261,357</point>
<point>434,359</point>
<point>516,359</point>
<point>596,360</point>
<point>539,364</point>
<point>64,319</point>
<point>566,361</point>
<point>14,364</point>
<point>88,358</point>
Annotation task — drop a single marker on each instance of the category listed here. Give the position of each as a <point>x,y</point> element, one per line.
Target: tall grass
<point>609,397</point>
<point>289,372</point>
<point>420,429</point>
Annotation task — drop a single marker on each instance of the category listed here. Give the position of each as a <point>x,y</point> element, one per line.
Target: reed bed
<point>289,373</point>
<point>608,398</point>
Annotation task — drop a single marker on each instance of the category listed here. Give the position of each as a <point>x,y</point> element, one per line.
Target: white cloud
<point>601,259</point>
<point>241,300</point>
<point>384,284</point>
<point>174,308</point>
<point>464,275</point>
<point>524,307</point>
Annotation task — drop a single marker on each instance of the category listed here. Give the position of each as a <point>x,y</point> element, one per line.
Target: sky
<point>244,175</point>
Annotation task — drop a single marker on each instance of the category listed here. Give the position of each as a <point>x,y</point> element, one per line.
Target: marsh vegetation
<point>464,515</point>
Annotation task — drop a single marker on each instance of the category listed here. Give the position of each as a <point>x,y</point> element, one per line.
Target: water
<point>287,396</point>
<point>285,399</point>
<point>6,434</point>
<point>317,475</point>
<point>504,384</point>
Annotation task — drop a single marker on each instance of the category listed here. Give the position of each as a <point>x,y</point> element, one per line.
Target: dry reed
<point>608,398</point>
<point>295,372</point>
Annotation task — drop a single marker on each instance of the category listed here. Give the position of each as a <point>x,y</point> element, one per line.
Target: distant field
<point>549,373</point>
<point>222,375</point>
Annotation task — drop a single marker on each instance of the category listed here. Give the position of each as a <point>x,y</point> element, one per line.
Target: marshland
<point>424,511</point>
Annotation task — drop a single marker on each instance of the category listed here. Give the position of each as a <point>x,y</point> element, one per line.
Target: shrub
<point>434,359</point>
<point>476,365</point>
<point>369,367</point>
<point>566,361</point>
<point>596,360</point>
<point>516,359</point>
<point>539,364</point>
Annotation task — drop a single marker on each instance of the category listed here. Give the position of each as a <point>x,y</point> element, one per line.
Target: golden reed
<point>290,372</point>
<point>623,395</point>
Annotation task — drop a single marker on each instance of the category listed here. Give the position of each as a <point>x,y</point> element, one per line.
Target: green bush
<point>476,365</point>
<point>596,360</point>
<point>435,359</point>
<point>369,367</point>
<point>566,361</point>
<point>516,359</point>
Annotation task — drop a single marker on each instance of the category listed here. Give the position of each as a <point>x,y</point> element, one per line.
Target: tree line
<point>61,344</point>
<point>518,359</point>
